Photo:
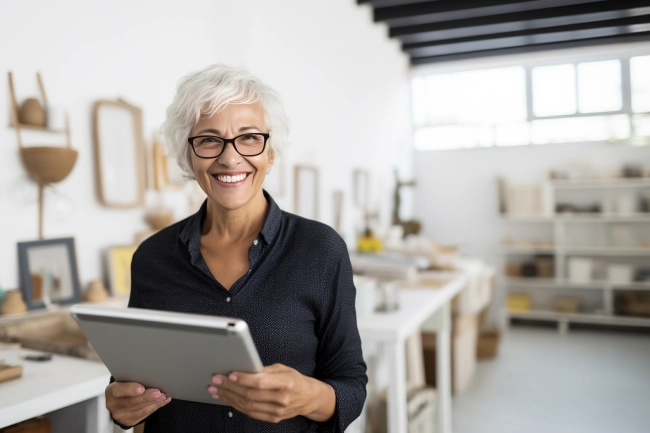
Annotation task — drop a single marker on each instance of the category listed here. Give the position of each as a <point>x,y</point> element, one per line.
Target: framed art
<point>361,180</point>
<point>305,195</point>
<point>48,272</point>
<point>119,269</point>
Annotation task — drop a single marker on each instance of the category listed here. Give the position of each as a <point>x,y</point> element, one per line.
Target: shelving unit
<point>561,250</point>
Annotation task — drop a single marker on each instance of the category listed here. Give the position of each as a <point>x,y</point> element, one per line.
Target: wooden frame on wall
<point>48,272</point>
<point>305,191</point>
<point>119,154</point>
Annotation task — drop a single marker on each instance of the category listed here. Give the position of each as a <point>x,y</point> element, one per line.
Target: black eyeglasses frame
<point>225,143</point>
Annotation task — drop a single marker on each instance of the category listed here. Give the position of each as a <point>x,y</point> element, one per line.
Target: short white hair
<point>209,91</point>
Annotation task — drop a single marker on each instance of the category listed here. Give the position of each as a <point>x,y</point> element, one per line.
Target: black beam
<point>631,37</point>
<point>554,12</point>
<point>436,7</point>
<point>422,49</point>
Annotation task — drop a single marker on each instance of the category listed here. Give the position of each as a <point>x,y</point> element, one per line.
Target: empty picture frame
<point>119,154</point>
<point>48,272</point>
<point>305,196</point>
<point>361,185</point>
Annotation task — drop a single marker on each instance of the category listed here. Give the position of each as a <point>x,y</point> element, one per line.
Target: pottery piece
<point>160,220</point>
<point>13,303</point>
<point>96,292</point>
<point>32,112</point>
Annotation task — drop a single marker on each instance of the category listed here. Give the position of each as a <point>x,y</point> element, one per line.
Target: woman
<point>240,256</point>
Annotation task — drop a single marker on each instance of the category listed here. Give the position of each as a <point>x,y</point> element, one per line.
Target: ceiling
<point>444,30</point>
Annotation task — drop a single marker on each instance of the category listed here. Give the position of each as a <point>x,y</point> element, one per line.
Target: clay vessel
<point>32,113</point>
<point>48,164</point>
<point>160,220</point>
<point>13,303</point>
<point>96,292</point>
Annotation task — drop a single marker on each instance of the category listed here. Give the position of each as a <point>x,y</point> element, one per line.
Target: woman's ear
<point>271,160</point>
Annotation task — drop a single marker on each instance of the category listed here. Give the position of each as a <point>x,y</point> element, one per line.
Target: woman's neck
<point>235,225</point>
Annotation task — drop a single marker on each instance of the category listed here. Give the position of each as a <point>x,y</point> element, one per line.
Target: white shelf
<point>641,182</point>
<point>559,284</point>
<point>606,251</point>
<point>591,318</point>
<point>641,217</point>
<point>528,250</point>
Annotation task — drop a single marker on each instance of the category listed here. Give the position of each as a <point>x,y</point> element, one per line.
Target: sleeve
<point>339,357</point>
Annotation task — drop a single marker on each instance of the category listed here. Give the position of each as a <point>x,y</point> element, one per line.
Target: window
<point>570,102</point>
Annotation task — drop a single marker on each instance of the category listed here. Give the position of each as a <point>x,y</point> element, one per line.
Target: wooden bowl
<point>48,164</point>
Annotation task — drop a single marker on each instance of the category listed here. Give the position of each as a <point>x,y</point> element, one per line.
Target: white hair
<point>210,91</point>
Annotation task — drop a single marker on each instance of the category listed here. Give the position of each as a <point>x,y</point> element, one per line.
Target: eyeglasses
<point>212,146</point>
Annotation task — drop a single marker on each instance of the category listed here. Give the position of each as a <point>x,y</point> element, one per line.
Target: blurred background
<point>500,145</point>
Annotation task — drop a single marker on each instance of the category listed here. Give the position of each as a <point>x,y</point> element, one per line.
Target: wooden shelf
<point>40,128</point>
<point>566,284</point>
<point>590,318</point>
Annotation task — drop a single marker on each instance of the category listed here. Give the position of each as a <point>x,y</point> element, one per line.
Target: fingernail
<point>212,389</point>
<point>139,390</point>
<point>217,380</point>
<point>215,396</point>
<point>155,394</point>
<point>233,378</point>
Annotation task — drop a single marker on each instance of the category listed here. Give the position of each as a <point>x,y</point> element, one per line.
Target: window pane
<point>599,86</point>
<point>554,90</point>
<point>640,72</point>
<point>489,96</point>
<point>447,137</point>
<point>440,98</point>
<point>586,129</point>
<point>641,125</point>
<point>512,134</point>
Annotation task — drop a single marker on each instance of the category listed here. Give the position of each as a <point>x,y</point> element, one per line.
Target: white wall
<point>345,86</point>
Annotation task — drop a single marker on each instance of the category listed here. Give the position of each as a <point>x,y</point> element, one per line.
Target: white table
<point>419,309</point>
<point>70,390</point>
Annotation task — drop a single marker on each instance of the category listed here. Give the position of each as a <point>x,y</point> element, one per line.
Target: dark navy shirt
<point>297,298</point>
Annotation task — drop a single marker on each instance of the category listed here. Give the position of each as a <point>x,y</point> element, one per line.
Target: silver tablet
<point>177,353</point>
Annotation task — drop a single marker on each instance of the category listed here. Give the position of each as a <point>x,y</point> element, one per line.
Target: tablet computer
<point>177,353</point>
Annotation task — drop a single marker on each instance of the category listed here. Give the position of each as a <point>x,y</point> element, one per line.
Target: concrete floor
<point>589,381</point>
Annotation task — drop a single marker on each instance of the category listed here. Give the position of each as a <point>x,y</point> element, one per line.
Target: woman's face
<point>246,173</point>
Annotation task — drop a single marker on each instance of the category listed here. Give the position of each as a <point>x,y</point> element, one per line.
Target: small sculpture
<point>96,292</point>
<point>13,303</point>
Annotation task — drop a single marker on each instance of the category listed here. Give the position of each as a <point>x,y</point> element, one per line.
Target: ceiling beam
<point>524,37</point>
<point>436,7</point>
<point>409,32</point>
<point>628,38</point>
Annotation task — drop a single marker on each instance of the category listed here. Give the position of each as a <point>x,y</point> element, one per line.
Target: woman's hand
<point>278,393</point>
<point>129,403</point>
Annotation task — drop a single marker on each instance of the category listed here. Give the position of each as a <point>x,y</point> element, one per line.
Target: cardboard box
<point>488,343</point>
<point>36,425</point>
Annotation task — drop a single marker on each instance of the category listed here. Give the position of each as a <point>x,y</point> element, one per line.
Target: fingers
<point>125,389</point>
<point>132,415</point>
<point>263,409</point>
<point>129,402</point>
<point>271,378</point>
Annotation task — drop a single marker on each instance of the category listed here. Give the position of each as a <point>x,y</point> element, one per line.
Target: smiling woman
<point>240,256</point>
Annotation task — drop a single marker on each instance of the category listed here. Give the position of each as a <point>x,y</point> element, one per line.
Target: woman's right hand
<point>129,402</point>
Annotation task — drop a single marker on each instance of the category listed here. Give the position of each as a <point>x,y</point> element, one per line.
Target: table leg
<point>443,372</point>
<point>397,414</point>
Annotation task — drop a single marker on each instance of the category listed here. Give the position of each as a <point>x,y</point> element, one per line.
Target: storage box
<point>565,304</point>
<point>37,425</point>
<point>519,302</point>
<point>620,274</point>
<point>464,338</point>
<point>488,342</point>
<point>580,270</point>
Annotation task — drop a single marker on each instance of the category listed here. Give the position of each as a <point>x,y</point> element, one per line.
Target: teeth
<point>230,179</point>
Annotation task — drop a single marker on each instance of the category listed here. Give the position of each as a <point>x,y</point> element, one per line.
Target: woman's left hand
<point>276,394</point>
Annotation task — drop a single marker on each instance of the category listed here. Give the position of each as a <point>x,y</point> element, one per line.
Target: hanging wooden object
<point>45,164</point>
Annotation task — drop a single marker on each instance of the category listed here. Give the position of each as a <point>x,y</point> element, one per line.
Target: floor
<point>595,381</point>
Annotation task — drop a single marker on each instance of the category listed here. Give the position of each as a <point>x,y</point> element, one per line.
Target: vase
<point>13,303</point>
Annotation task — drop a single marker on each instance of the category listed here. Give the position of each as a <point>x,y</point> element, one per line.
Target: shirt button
<point>229,414</point>
<point>228,299</point>
<point>255,242</point>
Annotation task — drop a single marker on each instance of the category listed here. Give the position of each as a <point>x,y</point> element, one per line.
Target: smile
<point>231,179</point>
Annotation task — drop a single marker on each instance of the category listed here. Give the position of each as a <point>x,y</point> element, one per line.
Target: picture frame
<point>48,272</point>
<point>305,194</point>
<point>119,269</point>
<point>361,188</point>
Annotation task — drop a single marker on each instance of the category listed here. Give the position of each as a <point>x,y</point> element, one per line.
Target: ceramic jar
<point>13,303</point>
<point>32,113</point>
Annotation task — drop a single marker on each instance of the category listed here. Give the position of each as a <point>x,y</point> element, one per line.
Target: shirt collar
<point>191,233</point>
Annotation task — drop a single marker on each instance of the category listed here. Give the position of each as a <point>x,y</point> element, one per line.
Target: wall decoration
<point>45,164</point>
<point>361,188</point>
<point>337,205</point>
<point>119,154</point>
<point>48,272</point>
<point>119,269</point>
<point>305,194</point>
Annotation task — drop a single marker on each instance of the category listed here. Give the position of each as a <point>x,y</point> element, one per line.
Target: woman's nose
<point>229,155</point>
